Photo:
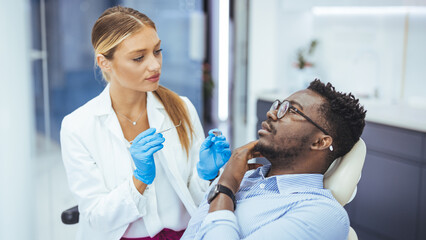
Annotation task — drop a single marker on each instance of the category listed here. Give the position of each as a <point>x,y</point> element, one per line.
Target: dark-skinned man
<point>285,200</point>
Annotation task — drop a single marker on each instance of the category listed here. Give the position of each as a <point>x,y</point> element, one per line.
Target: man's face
<point>286,138</point>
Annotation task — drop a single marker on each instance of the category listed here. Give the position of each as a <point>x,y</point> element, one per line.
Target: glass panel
<point>69,72</point>
<point>180,26</point>
<point>72,79</point>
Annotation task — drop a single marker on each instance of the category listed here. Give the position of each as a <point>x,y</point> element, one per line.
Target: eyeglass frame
<point>290,106</point>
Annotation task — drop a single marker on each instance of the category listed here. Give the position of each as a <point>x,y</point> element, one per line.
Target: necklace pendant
<point>134,123</point>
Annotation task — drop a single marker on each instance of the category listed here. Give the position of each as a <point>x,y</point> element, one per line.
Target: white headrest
<point>344,173</point>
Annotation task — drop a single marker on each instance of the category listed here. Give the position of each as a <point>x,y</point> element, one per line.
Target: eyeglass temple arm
<point>310,120</point>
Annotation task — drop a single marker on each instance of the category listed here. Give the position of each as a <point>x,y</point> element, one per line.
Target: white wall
<point>415,81</point>
<point>361,54</point>
<point>262,55</point>
<point>16,123</point>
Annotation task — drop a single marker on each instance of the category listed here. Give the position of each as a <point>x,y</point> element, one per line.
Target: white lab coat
<point>99,166</point>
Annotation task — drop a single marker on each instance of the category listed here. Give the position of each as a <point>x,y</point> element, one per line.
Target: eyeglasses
<point>283,108</point>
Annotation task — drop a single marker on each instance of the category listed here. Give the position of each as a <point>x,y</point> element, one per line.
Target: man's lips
<point>265,127</point>
<point>154,78</point>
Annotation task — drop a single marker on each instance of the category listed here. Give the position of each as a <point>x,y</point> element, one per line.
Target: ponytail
<point>177,111</point>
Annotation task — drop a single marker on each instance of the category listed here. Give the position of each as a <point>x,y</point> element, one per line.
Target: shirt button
<point>262,185</point>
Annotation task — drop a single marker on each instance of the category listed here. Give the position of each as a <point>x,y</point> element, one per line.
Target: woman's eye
<point>157,52</point>
<point>138,59</point>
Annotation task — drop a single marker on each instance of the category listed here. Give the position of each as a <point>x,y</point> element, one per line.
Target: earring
<point>331,147</point>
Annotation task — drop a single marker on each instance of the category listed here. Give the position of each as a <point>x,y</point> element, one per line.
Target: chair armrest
<point>70,216</point>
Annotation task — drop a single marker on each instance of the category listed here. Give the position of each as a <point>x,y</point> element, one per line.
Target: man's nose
<point>272,114</point>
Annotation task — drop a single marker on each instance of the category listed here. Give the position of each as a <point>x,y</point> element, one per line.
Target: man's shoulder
<point>318,207</point>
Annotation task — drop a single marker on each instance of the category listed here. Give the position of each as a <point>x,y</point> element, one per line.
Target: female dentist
<point>131,181</point>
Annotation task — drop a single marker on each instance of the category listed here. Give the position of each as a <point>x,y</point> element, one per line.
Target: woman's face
<point>136,63</point>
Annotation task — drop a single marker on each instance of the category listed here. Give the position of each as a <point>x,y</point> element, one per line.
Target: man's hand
<point>233,175</point>
<point>237,166</point>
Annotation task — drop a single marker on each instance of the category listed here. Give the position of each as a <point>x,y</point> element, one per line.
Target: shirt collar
<point>291,182</point>
<point>260,171</point>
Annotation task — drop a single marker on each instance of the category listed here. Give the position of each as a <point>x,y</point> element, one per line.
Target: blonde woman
<point>130,180</point>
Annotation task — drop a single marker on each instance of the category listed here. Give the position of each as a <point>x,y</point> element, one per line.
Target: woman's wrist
<point>139,185</point>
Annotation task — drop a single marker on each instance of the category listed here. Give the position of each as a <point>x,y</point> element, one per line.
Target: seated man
<point>286,199</point>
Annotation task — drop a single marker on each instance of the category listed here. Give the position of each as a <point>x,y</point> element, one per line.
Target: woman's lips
<point>154,78</point>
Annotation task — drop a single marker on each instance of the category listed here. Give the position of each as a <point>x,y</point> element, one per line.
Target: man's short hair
<point>343,117</point>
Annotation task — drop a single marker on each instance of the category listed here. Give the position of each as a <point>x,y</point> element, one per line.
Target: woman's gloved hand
<point>214,153</point>
<point>142,150</point>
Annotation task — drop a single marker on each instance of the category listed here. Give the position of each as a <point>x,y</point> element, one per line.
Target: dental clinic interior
<point>232,59</point>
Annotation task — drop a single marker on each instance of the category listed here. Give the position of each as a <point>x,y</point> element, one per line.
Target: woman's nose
<point>154,64</point>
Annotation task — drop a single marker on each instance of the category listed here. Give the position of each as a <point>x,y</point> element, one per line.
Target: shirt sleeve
<point>308,220</point>
<point>139,199</point>
<point>219,225</point>
<point>105,209</point>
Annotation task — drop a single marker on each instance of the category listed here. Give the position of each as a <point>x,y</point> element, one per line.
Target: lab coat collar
<point>104,105</point>
<point>155,111</point>
<point>104,108</point>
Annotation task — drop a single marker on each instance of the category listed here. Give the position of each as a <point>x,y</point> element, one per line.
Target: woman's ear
<point>103,62</point>
<point>322,142</point>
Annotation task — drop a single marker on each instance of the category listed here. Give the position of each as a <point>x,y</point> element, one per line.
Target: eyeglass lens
<point>274,105</point>
<point>282,110</point>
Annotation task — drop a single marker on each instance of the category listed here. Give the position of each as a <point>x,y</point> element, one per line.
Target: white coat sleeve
<point>105,209</point>
<point>197,186</point>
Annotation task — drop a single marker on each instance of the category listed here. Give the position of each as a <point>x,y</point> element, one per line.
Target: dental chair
<point>343,175</point>
<point>341,179</point>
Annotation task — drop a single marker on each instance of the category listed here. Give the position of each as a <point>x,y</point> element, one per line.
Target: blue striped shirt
<point>291,206</point>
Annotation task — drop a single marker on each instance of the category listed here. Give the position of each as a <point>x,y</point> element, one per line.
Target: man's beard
<point>280,154</point>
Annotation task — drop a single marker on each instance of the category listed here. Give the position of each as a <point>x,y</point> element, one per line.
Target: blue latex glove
<point>142,150</point>
<point>214,153</point>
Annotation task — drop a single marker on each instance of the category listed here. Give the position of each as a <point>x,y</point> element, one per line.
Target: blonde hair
<point>113,27</point>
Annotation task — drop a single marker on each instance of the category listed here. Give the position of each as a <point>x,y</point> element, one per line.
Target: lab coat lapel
<point>155,111</point>
<point>113,125</point>
<point>167,156</point>
<point>117,168</point>
<point>107,114</point>
<point>168,162</point>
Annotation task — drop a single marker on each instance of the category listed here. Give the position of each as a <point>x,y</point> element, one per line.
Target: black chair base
<point>70,216</point>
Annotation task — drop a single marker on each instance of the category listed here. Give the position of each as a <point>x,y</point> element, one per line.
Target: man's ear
<point>322,142</point>
<point>103,62</point>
